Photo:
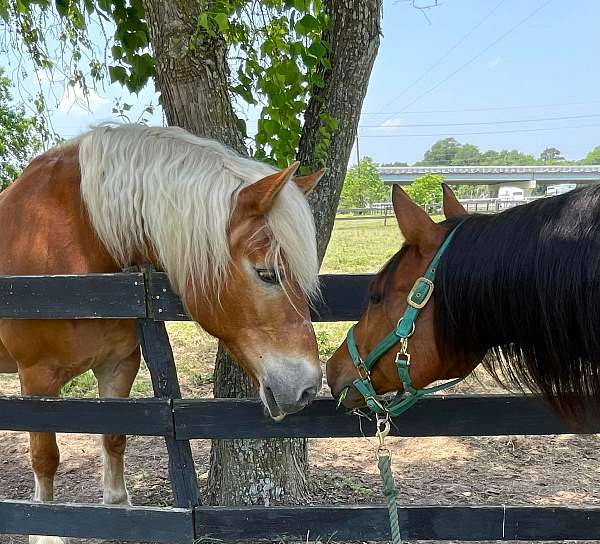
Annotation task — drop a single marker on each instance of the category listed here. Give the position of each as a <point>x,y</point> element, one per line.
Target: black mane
<point>523,288</point>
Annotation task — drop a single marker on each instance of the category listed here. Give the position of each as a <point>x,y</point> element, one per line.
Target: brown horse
<point>236,238</point>
<point>518,291</point>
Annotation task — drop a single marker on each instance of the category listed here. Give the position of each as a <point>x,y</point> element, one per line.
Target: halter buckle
<point>376,402</point>
<point>420,293</point>
<point>404,358</point>
<point>363,372</point>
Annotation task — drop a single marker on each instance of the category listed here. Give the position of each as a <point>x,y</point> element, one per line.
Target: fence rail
<point>356,522</point>
<point>148,298</point>
<point>185,419</point>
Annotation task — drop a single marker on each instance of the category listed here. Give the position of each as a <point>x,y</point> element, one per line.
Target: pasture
<point>484,470</point>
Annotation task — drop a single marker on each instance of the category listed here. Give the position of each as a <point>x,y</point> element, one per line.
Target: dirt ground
<point>475,470</point>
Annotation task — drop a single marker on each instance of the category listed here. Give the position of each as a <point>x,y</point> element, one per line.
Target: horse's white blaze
<point>113,479</point>
<point>174,192</point>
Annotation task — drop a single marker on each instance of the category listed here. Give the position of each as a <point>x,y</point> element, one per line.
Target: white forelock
<point>167,191</point>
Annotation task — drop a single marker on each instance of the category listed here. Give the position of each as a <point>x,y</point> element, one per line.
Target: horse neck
<point>45,224</point>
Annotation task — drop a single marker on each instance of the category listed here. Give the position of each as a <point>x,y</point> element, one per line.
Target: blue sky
<point>552,58</point>
<point>508,59</point>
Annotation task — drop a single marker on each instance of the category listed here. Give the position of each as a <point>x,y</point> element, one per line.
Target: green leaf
<point>241,124</point>
<point>317,49</point>
<point>4,10</point>
<point>22,6</point>
<point>222,21</point>
<point>117,52</point>
<point>117,74</point>
<point>307,24</point>
<point>89,6</point>
<point>62,6</point>
<point>203,20</point>
<point>105,5</point>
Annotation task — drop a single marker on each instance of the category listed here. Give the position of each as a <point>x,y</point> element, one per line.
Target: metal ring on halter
<point>411,332</point>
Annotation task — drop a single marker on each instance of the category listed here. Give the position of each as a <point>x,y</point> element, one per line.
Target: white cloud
<point>494,62</point>
<point>77,102</point>
<point>392,122</point>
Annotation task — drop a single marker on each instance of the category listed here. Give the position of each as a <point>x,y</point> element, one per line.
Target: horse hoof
<point>40,539</point>
<point>120,499</point>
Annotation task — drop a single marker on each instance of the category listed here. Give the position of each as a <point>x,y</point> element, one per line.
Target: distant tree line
<point>450,152</point>
<point>363,185</point>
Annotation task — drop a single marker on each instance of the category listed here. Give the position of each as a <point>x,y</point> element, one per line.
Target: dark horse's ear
<point>452,207</point>
<point>307,183</point>
<point>414,222</point>
<point>259,197</point>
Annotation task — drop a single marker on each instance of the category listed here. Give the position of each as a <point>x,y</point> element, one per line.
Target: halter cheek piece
<point>417,299</point>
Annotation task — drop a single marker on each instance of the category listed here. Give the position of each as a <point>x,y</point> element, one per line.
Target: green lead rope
<point>389,490</point>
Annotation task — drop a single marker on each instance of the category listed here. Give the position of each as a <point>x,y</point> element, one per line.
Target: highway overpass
<point>521,176</point>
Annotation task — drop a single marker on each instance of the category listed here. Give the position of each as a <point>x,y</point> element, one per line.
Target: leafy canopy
<point>277,54</point>
<point>450,152</point>
<point>19,135</point>
<point>593,157</point>
<point>425,189</point>
<point>363,186</point>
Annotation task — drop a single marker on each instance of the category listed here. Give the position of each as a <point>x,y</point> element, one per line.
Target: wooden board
<point>360,523</point>
<point>344,298</point>
<point>146,417</point>
<point>86,296</point>
<point>158,355</point>
<point>91,521</point>
<point>459,415</point>
<point>357,522</point>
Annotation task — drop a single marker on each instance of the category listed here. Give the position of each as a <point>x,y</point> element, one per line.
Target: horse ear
<point>259,197</point>
<point>414,222</point>
<point>452,207</point>
<point>307,183</point>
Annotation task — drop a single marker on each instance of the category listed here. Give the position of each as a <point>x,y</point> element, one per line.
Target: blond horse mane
<point>172,191</point>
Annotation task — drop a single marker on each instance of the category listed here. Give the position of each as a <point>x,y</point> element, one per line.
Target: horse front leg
<point>115,381</point>
<point>45,457</point>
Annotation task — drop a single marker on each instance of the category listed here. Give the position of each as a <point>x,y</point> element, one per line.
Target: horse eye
<point>268,275</point>
<point>375,298</point>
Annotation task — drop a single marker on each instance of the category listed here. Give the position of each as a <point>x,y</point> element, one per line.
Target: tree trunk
<point>191,73</point>
<point>354,37</point>
<point>194,94</point>
<point>245,472</point>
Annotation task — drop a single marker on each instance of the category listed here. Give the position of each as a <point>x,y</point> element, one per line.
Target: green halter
<point>417,299</point>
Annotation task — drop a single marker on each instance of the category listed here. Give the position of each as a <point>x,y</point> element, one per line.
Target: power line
<point>444,56</point>
<point>504,122</point>
<point>478,55</point>
<point>491,108</point>
<point>447,134</point>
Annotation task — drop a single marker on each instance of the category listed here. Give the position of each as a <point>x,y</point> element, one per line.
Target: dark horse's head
<point>518,291</point>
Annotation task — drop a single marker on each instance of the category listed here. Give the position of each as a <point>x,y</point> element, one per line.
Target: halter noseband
<point>417,299</point>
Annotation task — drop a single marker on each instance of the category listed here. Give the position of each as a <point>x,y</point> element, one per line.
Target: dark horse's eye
<point>375,298</point>
<point>268,275</point>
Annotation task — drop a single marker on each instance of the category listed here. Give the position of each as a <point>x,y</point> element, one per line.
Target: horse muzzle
<point>289,386</point>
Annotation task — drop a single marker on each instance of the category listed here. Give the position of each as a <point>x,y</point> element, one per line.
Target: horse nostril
<point>307,396</point>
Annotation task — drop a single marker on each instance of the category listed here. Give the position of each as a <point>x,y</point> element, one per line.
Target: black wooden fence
<point>147,297</point>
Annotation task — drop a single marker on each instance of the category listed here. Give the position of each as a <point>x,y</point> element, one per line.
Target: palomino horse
<point>236,238</point>
<point>517,291</point>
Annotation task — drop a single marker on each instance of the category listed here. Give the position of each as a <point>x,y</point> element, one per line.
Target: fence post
<point>158,355</point>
